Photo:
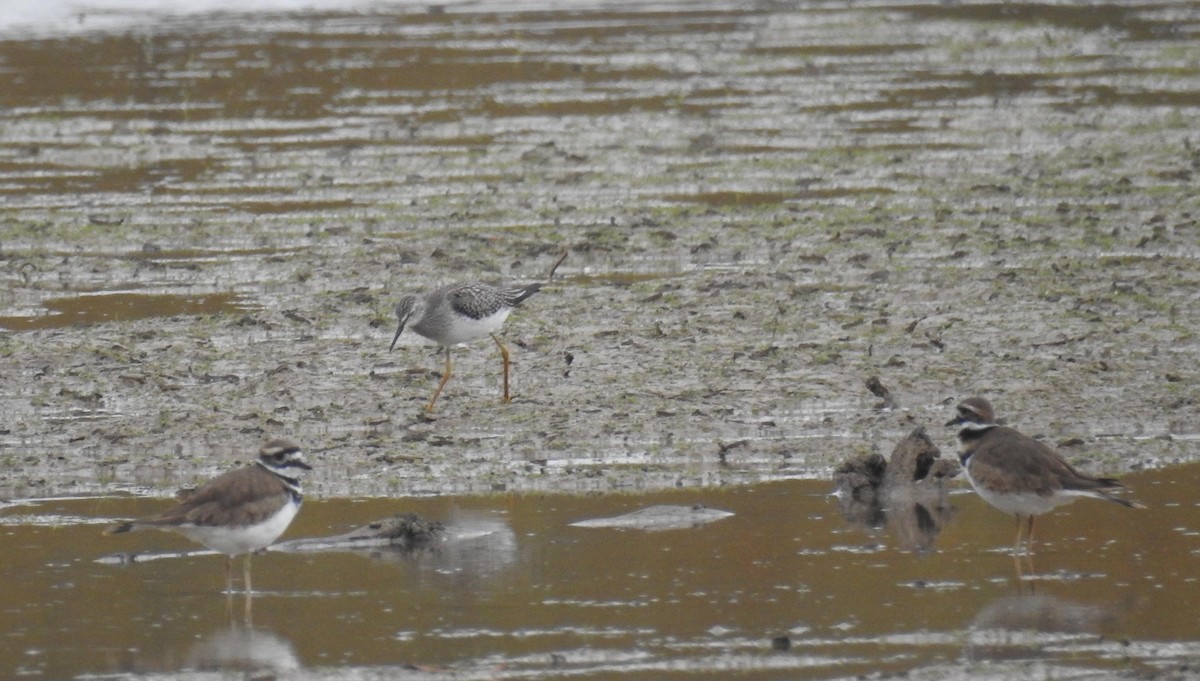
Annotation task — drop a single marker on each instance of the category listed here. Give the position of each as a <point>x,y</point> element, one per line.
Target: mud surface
<point>207,219</point>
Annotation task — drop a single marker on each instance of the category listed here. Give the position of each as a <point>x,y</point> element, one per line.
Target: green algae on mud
<point>760,220</point>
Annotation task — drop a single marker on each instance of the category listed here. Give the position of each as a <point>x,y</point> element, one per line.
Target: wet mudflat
<point>766,206</point>
<point>206,218</point>
<point>784,588</point>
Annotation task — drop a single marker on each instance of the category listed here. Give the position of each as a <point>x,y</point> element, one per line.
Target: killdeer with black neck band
<point>239,512</point>
<point>1018,474</point>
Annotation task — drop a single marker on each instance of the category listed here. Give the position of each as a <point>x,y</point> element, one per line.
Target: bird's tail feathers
<point>520,293</point>
<point>1109,496</point>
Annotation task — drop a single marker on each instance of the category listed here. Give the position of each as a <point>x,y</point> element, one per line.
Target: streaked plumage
<point>241,511</point>
<point>1018,474</point>
<point>460,313</point>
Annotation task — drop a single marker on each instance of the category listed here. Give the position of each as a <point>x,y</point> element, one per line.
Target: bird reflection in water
<point>242,647</point>
<point>1016,626</point>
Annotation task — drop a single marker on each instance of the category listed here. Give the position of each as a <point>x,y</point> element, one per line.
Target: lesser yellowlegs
<point>460,313</point>
<point>242,511</point>
<point>1018,474</point>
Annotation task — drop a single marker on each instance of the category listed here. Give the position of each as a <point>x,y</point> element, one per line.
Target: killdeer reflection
<point>459,313</point>
<point>242,511</point>
<point>1018,474</point>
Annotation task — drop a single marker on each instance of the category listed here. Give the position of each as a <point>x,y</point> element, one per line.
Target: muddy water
<point>205,219</point>
<point>208,216</point>
<point>785,588</point>
<point>113,307</point>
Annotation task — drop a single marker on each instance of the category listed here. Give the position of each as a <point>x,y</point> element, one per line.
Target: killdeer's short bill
<point>240,512</point>
<point>1018,474</point>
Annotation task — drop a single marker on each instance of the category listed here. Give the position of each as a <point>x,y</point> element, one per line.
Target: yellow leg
<point>228,575</point>
<point>442,384</point>
<point>246,573</point>
<point>506,362</point>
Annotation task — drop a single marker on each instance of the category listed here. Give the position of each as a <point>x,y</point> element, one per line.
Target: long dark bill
<point>396,337</point>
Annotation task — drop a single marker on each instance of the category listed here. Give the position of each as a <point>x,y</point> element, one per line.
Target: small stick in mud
<point>561,258</point>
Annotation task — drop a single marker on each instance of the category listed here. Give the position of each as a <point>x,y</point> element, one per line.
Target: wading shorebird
<point>1018,474</point>
<point>460,313</point>
<point>239,512</point>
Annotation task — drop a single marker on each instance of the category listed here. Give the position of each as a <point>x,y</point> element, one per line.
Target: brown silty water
<point>785,587</point>
<point>206,219</point>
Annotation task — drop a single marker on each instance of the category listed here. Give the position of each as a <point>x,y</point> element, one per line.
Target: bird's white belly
<point>464,329</point>
<point>1020,503</point>
<point>234,541</point>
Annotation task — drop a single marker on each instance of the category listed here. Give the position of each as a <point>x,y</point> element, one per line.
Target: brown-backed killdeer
<point>1018,474</point>
<point>242,511</point>
<point>459,313</point>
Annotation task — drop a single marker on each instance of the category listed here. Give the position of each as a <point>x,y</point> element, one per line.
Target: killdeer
<point>242,511</point>
<point>1018,474</point>
<point>459,313</point>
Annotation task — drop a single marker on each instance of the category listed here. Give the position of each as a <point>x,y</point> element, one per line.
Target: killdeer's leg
<point>442,384</point>
<point>505,360</point>
<point>1029,537</point>
<point>247,595</point>
<point>1017,542</point>
<point>1032,570</point>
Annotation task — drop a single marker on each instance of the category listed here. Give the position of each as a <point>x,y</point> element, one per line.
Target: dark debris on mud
<point>757,227</point>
